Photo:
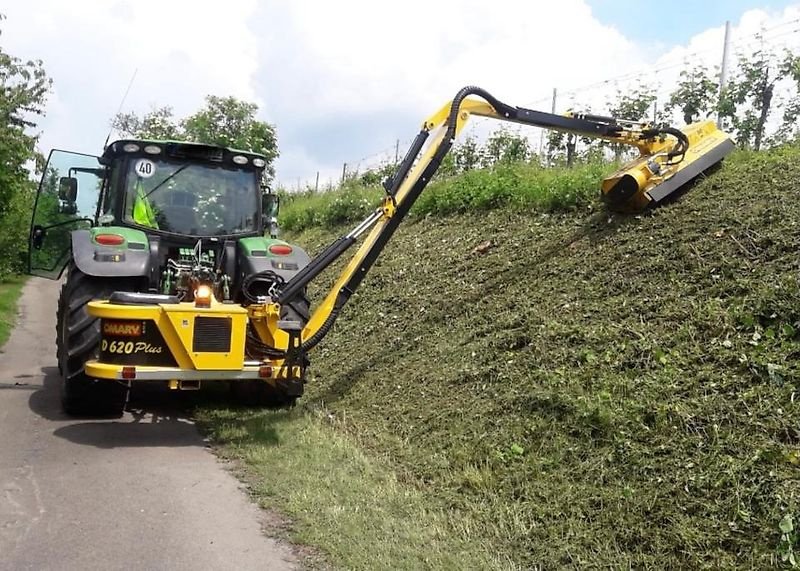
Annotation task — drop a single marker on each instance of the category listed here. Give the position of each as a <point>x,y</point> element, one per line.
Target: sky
<point>344,81</point>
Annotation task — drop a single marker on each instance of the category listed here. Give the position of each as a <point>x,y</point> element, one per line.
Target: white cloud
<point>337,63</point>
<point>182,52</point>
<point>341,80</point>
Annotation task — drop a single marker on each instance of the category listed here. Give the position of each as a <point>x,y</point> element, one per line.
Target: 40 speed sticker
<point>145,168</point>
<point>130,347</point>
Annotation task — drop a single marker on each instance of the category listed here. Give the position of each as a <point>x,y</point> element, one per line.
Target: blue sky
<point>676,21</point>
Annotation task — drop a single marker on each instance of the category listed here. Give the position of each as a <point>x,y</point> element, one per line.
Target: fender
<point>131,257</point>
<point>256,255</point>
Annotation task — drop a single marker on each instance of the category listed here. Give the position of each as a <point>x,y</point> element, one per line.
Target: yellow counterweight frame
<point>176,326</point>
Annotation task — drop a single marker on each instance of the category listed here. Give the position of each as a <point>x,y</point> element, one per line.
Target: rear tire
<point>78,340</point>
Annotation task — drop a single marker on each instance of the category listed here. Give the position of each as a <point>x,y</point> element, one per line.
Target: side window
<point>112,197</point>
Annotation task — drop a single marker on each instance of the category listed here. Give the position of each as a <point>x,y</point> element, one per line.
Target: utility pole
<point>397,151</point>
<point>541,136</point>
<point>723,72</point>
<point>316,183</point>
<point>344,172</point>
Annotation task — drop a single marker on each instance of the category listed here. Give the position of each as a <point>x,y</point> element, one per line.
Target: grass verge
<point>349,505</point>
<point>10,290</point>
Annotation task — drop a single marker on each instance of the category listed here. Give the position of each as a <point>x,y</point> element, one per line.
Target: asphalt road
<point>138,492</point>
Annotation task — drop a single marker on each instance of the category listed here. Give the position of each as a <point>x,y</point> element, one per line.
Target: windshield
<point>190,198</point>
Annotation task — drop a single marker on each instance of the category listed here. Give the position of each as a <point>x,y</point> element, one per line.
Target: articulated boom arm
<point>669,158</point>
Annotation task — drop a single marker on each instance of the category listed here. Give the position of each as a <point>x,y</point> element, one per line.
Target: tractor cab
<point>180,192</point>
<point>183,189</point>
<point>160,212</point>
<point>163,229</point>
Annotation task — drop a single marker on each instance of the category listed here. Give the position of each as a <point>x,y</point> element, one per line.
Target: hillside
<point>594,390</point>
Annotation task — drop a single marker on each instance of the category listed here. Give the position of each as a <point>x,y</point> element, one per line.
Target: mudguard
<point>130,258</point>
<point>255,255</point>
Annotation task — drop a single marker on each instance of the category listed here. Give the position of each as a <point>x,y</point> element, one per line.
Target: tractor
<point>152,222</point>
<point>175,274</point>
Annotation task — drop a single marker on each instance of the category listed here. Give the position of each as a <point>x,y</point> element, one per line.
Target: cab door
<point>68,199</point>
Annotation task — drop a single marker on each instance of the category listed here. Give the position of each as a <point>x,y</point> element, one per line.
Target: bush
<point>349,203</point>
<point>14,226</point>
<point>521,184</point>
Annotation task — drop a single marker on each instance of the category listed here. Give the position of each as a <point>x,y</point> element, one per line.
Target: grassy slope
<point>593,390</point>
<point>10,289</point>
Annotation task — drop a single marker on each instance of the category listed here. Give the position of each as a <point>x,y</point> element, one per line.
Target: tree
<point>23,91</point>
<point>695,96</point>
<point>747,100</point>
<point>224,121</point>
<point>228,122</point>
<point>465,155</point>
<point>561,147</point>
<point>789,129</point>
<point>503,146</point>
<point>632,105</point>
<point>158,123</point>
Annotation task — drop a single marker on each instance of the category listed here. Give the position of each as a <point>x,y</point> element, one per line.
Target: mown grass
<point>10,290</point>
<point>350,505</point>
<point>520,185</point>
<point>592,391</point>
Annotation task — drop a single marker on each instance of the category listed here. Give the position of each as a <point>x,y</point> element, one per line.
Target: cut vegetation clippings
<point>592,390</point>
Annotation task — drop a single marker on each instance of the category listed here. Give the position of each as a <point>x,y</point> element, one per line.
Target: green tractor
<point>152,219</point>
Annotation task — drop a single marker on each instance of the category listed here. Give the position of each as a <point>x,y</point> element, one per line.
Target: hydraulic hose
<point>680,148</point>
<point>326,326</point>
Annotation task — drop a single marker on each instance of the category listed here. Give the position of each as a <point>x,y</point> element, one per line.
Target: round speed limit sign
<point>145,168</point>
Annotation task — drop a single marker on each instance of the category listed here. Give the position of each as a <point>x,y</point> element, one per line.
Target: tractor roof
<point>176,150</point>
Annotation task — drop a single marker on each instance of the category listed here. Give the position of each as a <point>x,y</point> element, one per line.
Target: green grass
<point>328,209</point>
<point>350,505</point>
<point>594,391</point>
<point>519,185</point>
<point>10,290</point>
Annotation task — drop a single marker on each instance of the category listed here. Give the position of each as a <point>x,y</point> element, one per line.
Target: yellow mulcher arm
<point>154,339</point>
<point>669,159</point>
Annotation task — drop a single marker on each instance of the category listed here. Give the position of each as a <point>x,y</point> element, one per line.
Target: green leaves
<point>229,122</point>
<point>695,94</point>
<point>23,91</point>
<point>224,121</point>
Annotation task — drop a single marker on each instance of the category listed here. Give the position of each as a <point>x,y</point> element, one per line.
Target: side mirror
<point>270,206</point>
<point>37,237</point>
<point>68,189</point>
